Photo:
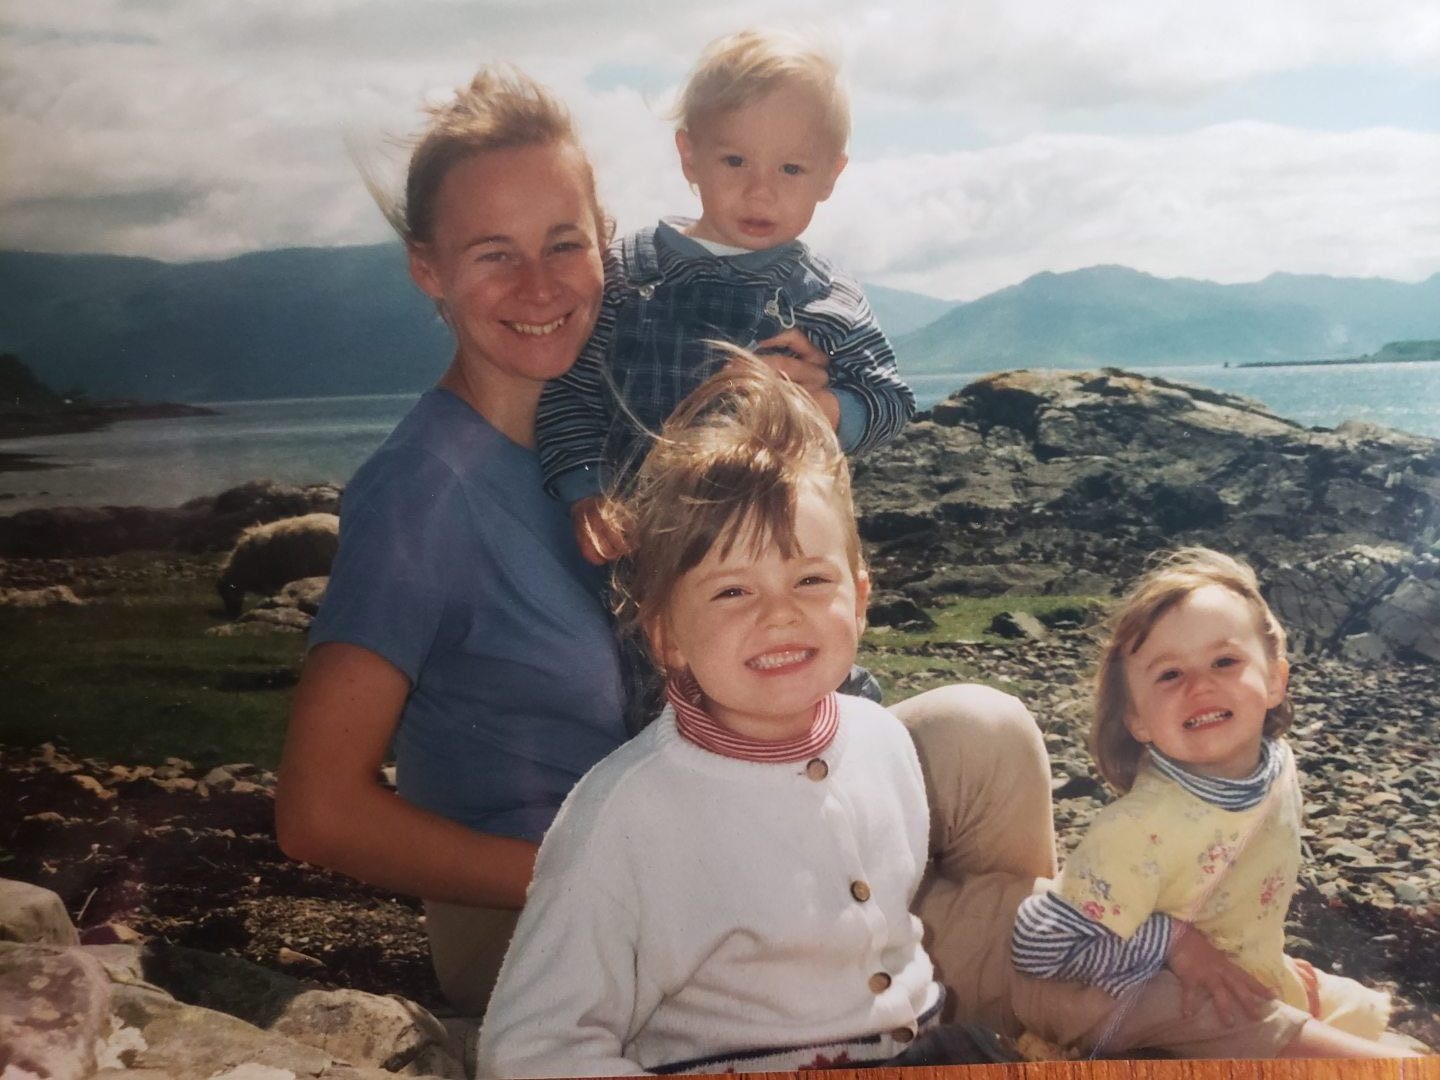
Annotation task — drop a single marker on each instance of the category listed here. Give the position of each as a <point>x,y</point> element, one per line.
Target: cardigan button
<point>879,982</point>
<point>860,891</point>
<point>903,1035</point>
<point>816,769</point>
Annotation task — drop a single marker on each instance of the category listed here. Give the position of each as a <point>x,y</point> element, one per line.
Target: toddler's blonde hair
<point>740,69</point>
<point>1172,578</point>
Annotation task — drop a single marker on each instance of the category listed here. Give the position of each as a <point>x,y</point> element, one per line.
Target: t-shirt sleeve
<point>406,537</point>
<point>1114,876</point>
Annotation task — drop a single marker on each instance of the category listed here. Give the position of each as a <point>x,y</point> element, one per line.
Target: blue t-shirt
<point>457,568</point>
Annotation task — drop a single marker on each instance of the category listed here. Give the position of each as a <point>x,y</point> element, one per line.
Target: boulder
<point>1018,624</point>
<point>161,1010</point>
<point>1408,619</point>
<point>48,596</point>
<point>54,1011</point>
<point>1325,600</point>
<point>1061,482</point>
<point>34,916</point>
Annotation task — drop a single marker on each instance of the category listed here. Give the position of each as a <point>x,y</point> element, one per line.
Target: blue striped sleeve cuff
<point>1054,940</point>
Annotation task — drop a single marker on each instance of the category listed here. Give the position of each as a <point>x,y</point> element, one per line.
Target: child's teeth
<point>774,660</point>
<point>1206,718</point>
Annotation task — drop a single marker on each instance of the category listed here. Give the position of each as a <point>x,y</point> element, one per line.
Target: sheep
<point>276,553</point>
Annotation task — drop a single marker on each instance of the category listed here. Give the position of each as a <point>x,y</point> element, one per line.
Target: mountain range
<point>322,321</point>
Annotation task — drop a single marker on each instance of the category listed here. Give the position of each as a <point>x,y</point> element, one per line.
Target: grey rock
<point>897,610</point>
<point>1324,600</point>
<point>1018,624</point>
<point>49,596</point>
<point>54,1010</point>
<point>1409,618</point>
<point>34,916</point>
<point>1364,649</point>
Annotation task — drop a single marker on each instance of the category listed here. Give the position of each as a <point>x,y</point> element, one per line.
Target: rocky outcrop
<point>1056,482</point>
<point>161,1011</point>
<point>206,524</point>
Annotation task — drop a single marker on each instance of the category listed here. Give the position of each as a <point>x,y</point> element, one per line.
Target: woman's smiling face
<point>1202,681</point>
<point>514,257</point>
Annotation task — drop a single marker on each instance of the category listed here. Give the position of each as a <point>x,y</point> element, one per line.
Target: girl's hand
<point>798,358</point>
<point>596,533</point>
<point>1200,966</point>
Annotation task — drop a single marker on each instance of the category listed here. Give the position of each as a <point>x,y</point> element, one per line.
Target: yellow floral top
<point>1229,872</point>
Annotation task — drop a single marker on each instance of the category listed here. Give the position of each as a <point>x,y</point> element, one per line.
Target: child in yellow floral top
<point>1190,705</point>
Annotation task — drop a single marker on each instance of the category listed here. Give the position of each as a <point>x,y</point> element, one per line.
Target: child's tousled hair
<point>501,108</point>
<point>727,469</point>
<point>1166,583</point>
<point>740,69</point>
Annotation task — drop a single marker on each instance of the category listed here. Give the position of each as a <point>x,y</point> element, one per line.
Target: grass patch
<point>133,678</point>
<point>911,661</point>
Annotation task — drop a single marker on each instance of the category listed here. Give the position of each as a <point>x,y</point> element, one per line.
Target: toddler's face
<point>767,637</point>
<point>761,169</point>
<point>1202,682</point>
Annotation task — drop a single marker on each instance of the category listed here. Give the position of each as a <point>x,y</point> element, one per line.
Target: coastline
<point>75,419</point>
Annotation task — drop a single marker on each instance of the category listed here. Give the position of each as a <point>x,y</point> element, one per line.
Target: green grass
<point>133,678</point>
<point>911,661</point>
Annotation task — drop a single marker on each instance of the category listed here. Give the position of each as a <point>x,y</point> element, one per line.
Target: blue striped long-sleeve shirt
<point>667,300</point>
<point>1055,940</point>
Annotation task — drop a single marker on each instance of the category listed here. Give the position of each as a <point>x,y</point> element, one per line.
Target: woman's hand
<point>1200,966</point>
<point>596,532</point>
<point>331,810</point>
<point>798,358</point>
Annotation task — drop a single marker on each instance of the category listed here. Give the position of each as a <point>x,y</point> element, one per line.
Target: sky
<point>993,139</point>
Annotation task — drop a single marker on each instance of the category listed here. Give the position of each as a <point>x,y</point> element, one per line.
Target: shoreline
<point>78,419</point>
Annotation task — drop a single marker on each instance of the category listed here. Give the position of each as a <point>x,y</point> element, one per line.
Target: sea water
<point>309,440</point>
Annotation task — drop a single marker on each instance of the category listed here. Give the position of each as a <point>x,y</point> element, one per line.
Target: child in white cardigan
<point>730,891</point>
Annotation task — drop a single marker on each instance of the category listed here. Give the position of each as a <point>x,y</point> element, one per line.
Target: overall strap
<point>641,261</point>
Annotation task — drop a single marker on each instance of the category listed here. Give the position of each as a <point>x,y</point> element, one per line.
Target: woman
<point>460,619</point>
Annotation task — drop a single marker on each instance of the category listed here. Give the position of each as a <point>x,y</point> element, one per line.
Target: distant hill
<point>298,322</point>
<point>323,321</point>
<point>901,312</point>
<point>1114,315</point>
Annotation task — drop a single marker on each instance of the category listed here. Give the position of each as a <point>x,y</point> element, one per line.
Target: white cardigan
<point>699,911</point>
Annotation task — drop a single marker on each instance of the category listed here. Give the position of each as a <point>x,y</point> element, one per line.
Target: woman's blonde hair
<point>740,69</point>
<point>501,108</point>
<point>726,469</point>
<point>1170,580</point>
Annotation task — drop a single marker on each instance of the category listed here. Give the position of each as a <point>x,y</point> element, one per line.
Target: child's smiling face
<point>1202,682</point>
<point>766,636</point>
<point>761,169</point>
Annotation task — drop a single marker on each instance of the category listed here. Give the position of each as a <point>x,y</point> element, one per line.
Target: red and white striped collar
<point>700,728</point>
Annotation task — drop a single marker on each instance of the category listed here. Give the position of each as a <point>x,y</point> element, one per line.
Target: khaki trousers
<point>467,945</point>
<point>992,838</point>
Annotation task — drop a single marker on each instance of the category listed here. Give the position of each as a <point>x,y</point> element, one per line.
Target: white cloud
<point>1228,203</point>
<point>192,128</point>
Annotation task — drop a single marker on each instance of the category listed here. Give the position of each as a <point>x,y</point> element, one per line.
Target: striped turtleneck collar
<point>1242,794</point>
<point>700,728</point>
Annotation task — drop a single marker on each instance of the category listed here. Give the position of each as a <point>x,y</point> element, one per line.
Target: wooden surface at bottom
<point>1426,1068</point>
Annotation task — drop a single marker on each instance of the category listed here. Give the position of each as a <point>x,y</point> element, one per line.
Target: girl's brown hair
<point>726,469</point>
<point>1172,578</point>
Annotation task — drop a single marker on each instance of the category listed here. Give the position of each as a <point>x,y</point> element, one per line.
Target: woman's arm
<point>331,810</point>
